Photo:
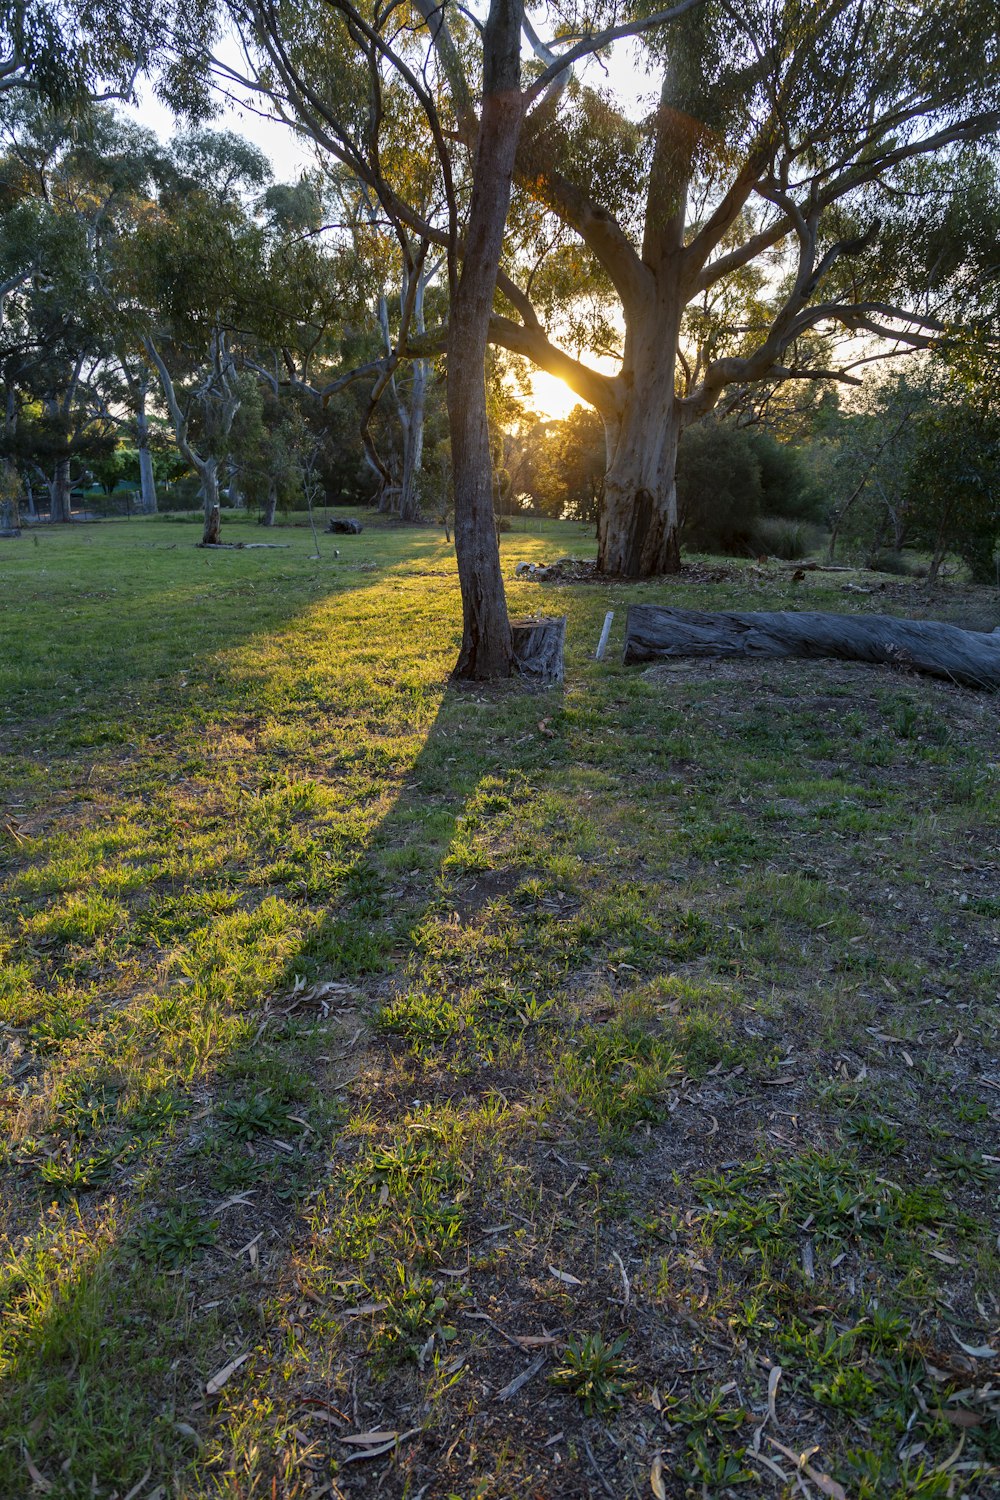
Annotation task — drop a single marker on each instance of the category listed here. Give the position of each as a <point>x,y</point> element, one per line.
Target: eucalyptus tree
<point>69,54</point>
<point>750,217</point>
<point>754,209</point>
<point>55,341</point>
<point>192,271</point>
<point>406,382</point>
<point>332,66</point>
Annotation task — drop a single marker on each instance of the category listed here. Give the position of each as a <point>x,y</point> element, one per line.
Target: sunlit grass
<point>325,986</point>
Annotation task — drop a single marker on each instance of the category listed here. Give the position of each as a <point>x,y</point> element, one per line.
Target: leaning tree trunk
<point>486,641</point>
<point>60,493</point>
<point>970,658</point>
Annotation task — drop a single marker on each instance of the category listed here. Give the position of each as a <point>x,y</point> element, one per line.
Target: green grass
<point>342,1008</point>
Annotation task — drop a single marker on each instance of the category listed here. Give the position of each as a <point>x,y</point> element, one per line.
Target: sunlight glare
<point>550,397</point>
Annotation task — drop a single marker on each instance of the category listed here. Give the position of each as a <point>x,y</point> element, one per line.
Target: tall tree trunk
<point>60,496</point>
<point>413,443</point>
<point>267,515</point>
<point>208,473</point>
<point>233,491</point>
<point>639,532</point>
<point>638,525</point>
<point>486,642</point>
<point>147,478</point>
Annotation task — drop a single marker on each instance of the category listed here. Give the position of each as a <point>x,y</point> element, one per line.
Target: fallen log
<point>538,647</point>
<point>344,526</point>
<point>970,658</point>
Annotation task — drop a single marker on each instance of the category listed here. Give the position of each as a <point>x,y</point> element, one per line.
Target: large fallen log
<point>968,657</point>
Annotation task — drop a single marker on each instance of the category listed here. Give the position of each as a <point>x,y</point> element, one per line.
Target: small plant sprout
<point>594,1372</point>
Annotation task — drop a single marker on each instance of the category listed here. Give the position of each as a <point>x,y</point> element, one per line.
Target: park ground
<point>420,1090</point>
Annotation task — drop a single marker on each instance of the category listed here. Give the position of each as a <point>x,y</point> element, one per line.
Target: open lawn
<point>412,1090</point>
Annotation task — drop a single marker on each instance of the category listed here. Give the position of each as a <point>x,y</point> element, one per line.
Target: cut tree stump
<point>968,657</point>
<point>538,647</point>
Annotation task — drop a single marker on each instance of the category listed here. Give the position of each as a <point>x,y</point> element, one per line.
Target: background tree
<point>754,215</point>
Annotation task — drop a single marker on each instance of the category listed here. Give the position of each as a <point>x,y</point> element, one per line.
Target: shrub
<point>780,537</point>
<point>729,477</point>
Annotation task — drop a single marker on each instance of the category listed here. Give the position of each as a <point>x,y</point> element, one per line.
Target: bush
<point>718,488</point>
<point>778,537</point>
<point>888,561</point>
<point>729,477</point>
<point>787,488</point>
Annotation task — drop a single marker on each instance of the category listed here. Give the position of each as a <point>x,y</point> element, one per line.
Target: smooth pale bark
<point>60,496</point>
<point>486,641</point>
<point>411,416</point>
<point>970,658</point>
<point>147,477</point>
<point>269,509</point>
<point>207,469</point>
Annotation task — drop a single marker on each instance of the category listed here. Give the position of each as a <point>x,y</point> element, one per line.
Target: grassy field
<point>425,1091</point>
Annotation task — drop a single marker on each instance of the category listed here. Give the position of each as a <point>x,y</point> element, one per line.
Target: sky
<point>291,155</point>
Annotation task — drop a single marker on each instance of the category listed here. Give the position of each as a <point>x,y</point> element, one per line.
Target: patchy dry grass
<point>445,1092</point>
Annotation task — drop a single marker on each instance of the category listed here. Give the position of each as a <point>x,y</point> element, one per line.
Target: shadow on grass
<point>157,1156</point>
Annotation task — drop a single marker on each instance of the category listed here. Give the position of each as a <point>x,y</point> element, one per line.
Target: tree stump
<point>538,647</point>
<point>970,658</point>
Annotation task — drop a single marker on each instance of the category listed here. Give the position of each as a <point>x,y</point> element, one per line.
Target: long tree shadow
<point>181,1120</point>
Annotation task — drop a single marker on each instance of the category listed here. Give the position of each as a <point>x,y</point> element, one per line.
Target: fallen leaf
<point>823,1482</point>
<point>376,1452</point>
<point>964,1418</point>
<point>773,1381</point>
<point>139,1486</point>
<point>36,1478</point>
<point>363,1310</point>
<point>369,1439</point>
<point>565,1277</point>
<point>513,1386</point>
<point>219,1379</point>
<point>982,1352</point>
<point>233,1202</point>
<point>656,1481</point>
